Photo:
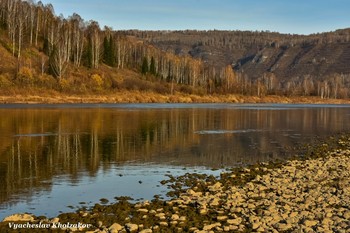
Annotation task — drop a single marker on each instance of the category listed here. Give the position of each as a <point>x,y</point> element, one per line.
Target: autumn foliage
<point>72,55</point>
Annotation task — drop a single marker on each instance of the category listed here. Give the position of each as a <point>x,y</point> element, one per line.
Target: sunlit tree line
<point>72,42</point>
<point>333,85</point>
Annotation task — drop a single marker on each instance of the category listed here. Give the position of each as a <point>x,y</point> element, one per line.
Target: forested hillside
<point>39,49</point>
<point>273,63</point>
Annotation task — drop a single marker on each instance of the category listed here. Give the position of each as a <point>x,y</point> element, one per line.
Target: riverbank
<point>308,194</point>
<point>53,97</point>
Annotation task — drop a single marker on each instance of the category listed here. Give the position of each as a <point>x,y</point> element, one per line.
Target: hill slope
<point>41,50</point>
<point>257,53</point>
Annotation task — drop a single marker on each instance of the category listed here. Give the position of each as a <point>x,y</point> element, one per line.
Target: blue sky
<point>285,16</point>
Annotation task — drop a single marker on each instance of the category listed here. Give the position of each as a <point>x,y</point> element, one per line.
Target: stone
<point>256,225</point>
<point>175,217</point>
<point>208,227</point>
<point>293,214</point>
<point>283,226</point>
<point>215,187</point>
<point>203,211</point>
<point>221,218</point>
<point>233,227</point>
<point>115,228</point>
<point>190,192</point>
<point>163,224</point>
<point>214,202</point>
<point>346,215</point>
<point>142,210</point>
<point>235,221</point>
<point>55,220</point>
<point>161,216</point>
<point>310,223</point>
<point>152,212</point>
<point>146,231</point>
<point>131,227</point>
<point>173,223</point>
<point>19,218</point>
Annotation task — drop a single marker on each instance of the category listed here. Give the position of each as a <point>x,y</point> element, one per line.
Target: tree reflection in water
<point>38,144</point>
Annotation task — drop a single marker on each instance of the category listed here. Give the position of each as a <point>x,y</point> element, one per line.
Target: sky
<point>284,16</point>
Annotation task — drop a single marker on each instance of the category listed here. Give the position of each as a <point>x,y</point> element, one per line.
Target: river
<point>55,158</point>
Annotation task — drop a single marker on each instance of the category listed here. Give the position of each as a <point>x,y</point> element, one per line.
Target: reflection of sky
<point>162,138</point>
<point>298,16</point>
<point>107,184</point>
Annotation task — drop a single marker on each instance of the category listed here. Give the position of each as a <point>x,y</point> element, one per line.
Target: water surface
<point>55,157</point>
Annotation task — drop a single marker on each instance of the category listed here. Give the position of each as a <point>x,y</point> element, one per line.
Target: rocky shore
<point>309,194</point>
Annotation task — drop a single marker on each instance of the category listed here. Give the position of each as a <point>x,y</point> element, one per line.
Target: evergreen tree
<point>89,55</point>
<point>108,51</point>
<point>112,55</point>
<point>152,68</point>
<point>46,47</point>
<point>144,68</point>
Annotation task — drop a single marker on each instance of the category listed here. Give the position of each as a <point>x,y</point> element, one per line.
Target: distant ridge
<point>286,55</point>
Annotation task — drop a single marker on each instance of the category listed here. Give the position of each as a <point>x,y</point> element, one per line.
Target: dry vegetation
<point>46,58</point>
<point>124,96</point>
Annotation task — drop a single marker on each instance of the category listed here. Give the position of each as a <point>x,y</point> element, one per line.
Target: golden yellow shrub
<point>97,81</point>
<point>25,76</point>
<point>5,80</point>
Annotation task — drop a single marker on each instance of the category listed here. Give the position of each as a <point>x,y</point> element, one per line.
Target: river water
<point>55,158</point>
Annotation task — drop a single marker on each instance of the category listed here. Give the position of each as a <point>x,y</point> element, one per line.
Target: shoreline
<point>150,97</point>
<point>309,193</point>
